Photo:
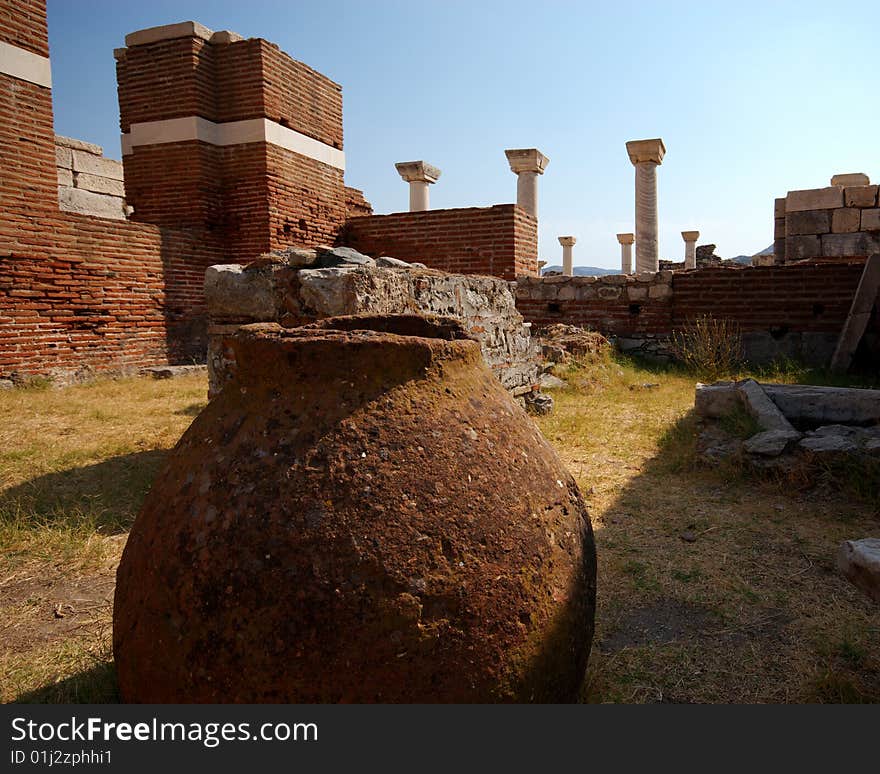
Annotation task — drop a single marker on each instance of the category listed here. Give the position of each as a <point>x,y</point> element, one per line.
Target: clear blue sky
<point>751,98</point>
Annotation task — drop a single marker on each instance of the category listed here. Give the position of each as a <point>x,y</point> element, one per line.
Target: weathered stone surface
<point>7,384</point>
<point>551,382</point>
<point>761,407</point>
<point>771,443</point>
<point>846,245</point>
<point>860,196</point>
<point>81,145</point>
<point>569,341</point>
<point>779,207</point>
<point>342,256</point>
<point>808,222</point>
<point>713,401</point>
<point>63,157</point>
<point>859,561</point>
<point>297,257</point>
<point>65,177</point>
<point>104,185</point>
<point>871,220</point>
<point>660,291</point>
<point>96,165</point>
<point>363,515</point>
<point>249,295</point>
<point>851,178</point>
<point>538,403</point>
<point>637,292</point>
<point>814,199</point>
<point>89,203</point>
<point>845,220</point>
<point>832,439</point>
<point>384,262</point>
<point>799,248</point>
<point>825,405</point>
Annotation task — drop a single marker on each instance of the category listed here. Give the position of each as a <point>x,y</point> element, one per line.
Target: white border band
<point>231,133</point>
<point>25,65</point>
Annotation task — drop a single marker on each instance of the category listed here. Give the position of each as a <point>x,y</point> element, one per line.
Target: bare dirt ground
<point>713,587</point>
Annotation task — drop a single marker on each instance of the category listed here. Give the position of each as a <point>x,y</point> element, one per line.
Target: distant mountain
<point>583,271</point>
<point>744,259</point>
<point>766,251</point>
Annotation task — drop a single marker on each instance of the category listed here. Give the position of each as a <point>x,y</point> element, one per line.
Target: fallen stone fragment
<point>329,258</point>
<point>551,382</point>
<point>717,400</point>
<point>175,371</point>
<point>759,405</point>
<point>859,561</point>
<point>384,262</point>
<point>832,440</point>
<point>538,403</point>
<point>771,443</point>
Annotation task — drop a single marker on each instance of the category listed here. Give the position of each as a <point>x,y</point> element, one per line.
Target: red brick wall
<point>803,297</point>
<point>499,240</point>
<point>23,24</point>
<point>356,206</point>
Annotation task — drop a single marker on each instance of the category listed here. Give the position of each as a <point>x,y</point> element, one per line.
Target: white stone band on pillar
<point>567,243</point>
<point>230,133</point>
<point>646,156</point>
<point>626,252</point>
<point>25,65</point>
<point>419,175</point>
<point>690,248</point>
<point>527,164</point>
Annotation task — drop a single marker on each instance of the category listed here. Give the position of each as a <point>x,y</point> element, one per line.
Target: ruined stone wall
<point>795,311</point>
<point>501,241</point>
<point>89,183</point>
<point>839,221</point>
<point>238,295</point>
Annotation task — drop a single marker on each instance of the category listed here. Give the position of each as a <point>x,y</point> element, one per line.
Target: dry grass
<point>752,610</point>
<point>74,467</point>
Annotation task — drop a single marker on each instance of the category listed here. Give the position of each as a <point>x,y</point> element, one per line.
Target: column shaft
<point>418,196</point>
<point>647,246</point>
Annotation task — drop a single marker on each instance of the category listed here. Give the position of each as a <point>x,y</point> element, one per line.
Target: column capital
<point>646,150</point>
<point>417,171</point>
<point>526,160</point>
<point>690,236</point>
<point>626,239</point>
<point>567,241</point>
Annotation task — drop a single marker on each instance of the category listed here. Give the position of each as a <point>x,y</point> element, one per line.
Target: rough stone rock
<point>246,294</point>
<point>175,371</point>
<point>329,258</point>
<point>7,384</point>
<point>771,443</point>
<point>759,405</point>
<point>832,440</point>
<point>384,262</point>
<point>859,561</point>
<point>551,382</point>
<point>713,401</point>
<point>359,516</point>
<point>538,403</point>
<point>559,342</point>
<point>826,405</point>
<point>298,257</point>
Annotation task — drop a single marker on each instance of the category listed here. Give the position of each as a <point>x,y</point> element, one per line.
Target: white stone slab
<point>25,65</point>
<point>96,165</point>
<point>98,184</point>
<point>89,203</point>
<point>185,29</point>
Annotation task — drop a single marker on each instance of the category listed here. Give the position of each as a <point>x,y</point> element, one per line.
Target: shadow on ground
<point>108,494</point>
<point>91,686</point>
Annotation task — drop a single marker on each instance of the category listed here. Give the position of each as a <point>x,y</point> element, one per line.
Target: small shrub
<point>709,347</point>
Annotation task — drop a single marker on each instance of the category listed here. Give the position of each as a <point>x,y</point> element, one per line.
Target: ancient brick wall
<point>499,241</point>
<point>793,311</point>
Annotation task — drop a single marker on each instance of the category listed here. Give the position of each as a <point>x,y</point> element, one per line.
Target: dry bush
<point>709,347</point>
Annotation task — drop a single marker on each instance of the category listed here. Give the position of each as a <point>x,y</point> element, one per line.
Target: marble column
<point>690,248</point>
<point>419,175</point>
<point>626,252</point>
<point>646,156</point>
<point>527,163</point>
<point>567,243</point>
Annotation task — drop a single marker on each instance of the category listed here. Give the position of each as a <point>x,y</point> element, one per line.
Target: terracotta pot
<point>363,515</point>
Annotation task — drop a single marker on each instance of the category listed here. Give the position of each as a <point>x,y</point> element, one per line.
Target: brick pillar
<point>230,134</point>
<point>27,137</point>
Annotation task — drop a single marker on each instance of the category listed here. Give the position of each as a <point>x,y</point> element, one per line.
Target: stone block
<point>614,279</point>
<point>660,292</point>
<point>860,196</point>
<point>779,228</point>
<point>761,407</point>
<point>70,142</point>
<point>849,245</point>
<point>871,220</point>
<point>798,248</point>
<point>89,203</point>
<point>814,199</point>
<point>104,185</point>
<point>96,165</point>
<point>851,178</point>
<point>609,292</point>
<point>637,292</point>
<point>859,561</point>
<point>771,443</point>
<point>65,177</point>
<point>808,222</point>
<point>845,220</point>
<point>779,207</point>
<point>63,157</point>
<point>185,29</point>
<point>247,295</point>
